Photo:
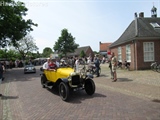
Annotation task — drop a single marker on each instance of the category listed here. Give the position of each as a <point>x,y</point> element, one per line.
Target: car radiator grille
<point>76,80</point>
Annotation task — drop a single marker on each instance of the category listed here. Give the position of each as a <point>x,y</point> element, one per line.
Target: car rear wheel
<point>43,81</point>
<point>63,91</point>
<point>89,87</point>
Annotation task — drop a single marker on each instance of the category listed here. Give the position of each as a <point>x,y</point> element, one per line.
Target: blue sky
<point>89,21</point>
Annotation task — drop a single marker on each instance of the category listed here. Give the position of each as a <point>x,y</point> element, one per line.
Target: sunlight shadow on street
<point>124,80</point>
<point>9,97</point>
<point>156,100</point>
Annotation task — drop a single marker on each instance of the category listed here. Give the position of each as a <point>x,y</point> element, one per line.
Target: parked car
<point>67,80</point>
<point>29,69</point>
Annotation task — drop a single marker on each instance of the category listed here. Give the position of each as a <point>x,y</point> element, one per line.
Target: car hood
<point>65,71</point>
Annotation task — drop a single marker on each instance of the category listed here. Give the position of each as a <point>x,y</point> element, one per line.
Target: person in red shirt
<point>52,65</point>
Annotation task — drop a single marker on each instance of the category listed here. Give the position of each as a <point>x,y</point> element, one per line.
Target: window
<point>128,53</point>
<point>148,48</point>
<point>155,25</point>
<point>119,54</point>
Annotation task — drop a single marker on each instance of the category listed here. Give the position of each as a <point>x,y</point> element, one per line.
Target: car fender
<point>89,76</point>
<point>65,80</point>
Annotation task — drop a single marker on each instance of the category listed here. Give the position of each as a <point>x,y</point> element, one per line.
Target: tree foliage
<point>47,51</point>
<point>25,46</point>
<point>65,43</point>
<point>9,54</point>
<point>13,26</point>
<point>82,54</point>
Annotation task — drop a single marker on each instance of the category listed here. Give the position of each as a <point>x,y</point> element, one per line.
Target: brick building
<point>87,50</point>
<point>104,48</point>
<point>140,42</point>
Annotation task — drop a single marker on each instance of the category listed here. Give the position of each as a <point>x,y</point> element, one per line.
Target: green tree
<point>25,46</point>
<point>13,26</point>
<point>9,54</point>
<point>95,52</point>
<point>82,54</point>
<point>47,51</point>
<point>3,53</point>
<point>13,55</point>
<point>65,43</point>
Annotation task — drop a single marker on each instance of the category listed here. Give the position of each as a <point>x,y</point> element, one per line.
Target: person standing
<point>110,67</point>
<point>97,65</point>
<point>114,65</point>
<point>89,62</point>
<point>1,77</point>
<point>77,64</point>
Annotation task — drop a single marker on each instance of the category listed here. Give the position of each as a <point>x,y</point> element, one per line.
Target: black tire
<point>152,68</point>
<point>43,81</point>
<point>89,87</point>
<point>64,91</point>
<point>158,68</point>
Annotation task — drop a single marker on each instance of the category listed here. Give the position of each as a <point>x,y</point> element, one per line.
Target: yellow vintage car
<point>67,80</point>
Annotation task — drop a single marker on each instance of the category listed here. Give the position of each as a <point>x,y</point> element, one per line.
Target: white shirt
<point>57,63</point>
<point>45,65</point>
<point>77,65</point>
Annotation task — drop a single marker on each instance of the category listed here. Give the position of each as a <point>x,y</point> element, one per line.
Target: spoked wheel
<point>158,68</point>
<point>43,81</point>
<point>153,67</point>
<point>63,91</point>
<point>91,71</point>
<point>89,87</point>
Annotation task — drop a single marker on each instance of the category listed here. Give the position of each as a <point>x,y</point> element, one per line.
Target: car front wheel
<point>89,87</point>
<point>63,91</point>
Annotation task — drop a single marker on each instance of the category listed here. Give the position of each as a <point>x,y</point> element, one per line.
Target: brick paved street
<point>135,96</point>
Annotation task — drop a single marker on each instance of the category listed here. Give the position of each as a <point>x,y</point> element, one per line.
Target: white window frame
<point>148,51</point>
<point>119,54</point>
<point>128,53</point>
<point>155,25</point>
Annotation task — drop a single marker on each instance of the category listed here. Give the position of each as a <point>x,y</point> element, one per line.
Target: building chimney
<point>141,15</point>
<point>136,25</point>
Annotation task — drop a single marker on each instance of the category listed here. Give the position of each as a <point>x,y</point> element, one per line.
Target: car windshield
<point>29,66</point>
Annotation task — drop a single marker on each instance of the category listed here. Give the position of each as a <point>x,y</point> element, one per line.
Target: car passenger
<point>57,63</point>
<point>46,64</point>
<point>63,63</point>
<point>52,65</point>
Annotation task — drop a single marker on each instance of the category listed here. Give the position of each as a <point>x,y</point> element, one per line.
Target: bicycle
<point>158,68</point>
<point>154,66</point>
<point>92,70</point>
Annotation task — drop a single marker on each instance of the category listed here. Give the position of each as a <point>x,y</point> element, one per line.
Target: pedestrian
<point>89,62</point>
<point>1,77</point>
<point>97,65</point>
<point>110,66</point>
<point>114,65</point>
<point>77,64</point>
